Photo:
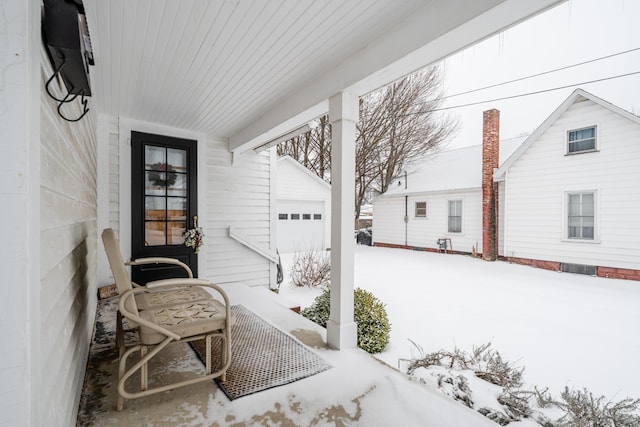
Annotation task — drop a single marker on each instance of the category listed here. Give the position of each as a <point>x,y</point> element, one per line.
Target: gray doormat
<point>262,356</point>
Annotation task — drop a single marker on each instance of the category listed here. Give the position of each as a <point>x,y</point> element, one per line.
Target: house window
<point>581,216</point>
<point>317,216</point>
<point>455,216</point>
<point>283,216</point>
<point>581,140</point>
<point>421,209</point>
<point>306,216</point>
<point>295,216</point>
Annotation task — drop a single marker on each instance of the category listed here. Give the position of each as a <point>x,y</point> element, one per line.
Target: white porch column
<point>343,115</point>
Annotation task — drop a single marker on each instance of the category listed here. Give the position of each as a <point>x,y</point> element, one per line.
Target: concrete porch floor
<point>357,390</point>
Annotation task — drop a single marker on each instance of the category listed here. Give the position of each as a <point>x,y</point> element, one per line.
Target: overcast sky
<point>574,32</point>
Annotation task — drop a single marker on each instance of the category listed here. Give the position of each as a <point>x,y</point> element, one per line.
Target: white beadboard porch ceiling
<point>239,69</point>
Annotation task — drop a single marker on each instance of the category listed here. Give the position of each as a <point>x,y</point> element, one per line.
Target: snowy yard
<point>565,329</point>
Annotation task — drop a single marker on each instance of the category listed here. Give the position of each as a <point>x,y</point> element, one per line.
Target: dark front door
<point>164,203</point>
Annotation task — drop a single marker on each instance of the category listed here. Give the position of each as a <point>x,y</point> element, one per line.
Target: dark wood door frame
<point>143,274</point>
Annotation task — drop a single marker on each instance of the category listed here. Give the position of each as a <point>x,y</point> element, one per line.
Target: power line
<point>525,94</point>
<point>542,73</point>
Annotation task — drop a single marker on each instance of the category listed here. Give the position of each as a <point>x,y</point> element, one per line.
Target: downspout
<point>406,219</point>
<point>406,211</point>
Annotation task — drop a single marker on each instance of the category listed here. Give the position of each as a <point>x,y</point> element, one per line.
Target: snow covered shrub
<point>485,362</point>
<point>370,316</point>
<point>311,268</point>
<point>584,410</point>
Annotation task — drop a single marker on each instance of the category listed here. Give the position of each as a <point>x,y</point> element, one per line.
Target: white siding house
<point>442,200</point>
<point>303,204</point>
<point>198,70</point>
<point>570,192</point>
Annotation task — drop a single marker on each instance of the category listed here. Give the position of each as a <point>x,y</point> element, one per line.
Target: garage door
<point>300,225</point>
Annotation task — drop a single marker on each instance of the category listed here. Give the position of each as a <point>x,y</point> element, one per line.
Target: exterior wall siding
<point>389,225</point>
<point>68,256</point>
<point>537,183</point>
<point>294,184</point>
<point>237,195</point>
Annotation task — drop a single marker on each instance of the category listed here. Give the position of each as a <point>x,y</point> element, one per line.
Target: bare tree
<point>397,125</point>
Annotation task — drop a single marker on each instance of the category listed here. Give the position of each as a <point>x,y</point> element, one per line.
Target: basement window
<point>581,140</point>
<point>421,210</point>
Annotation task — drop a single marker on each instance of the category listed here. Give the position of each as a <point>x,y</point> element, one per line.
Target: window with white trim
<point>283,216</point>
<point>421,210</point>
<point>306,216</point>
<point>581,140</point>
<point>317,216</point>
<point>455,216</point>
<point>581,215</point>
<point>295,216</point>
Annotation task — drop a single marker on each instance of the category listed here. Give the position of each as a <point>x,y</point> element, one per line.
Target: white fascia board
<point>424,37</point>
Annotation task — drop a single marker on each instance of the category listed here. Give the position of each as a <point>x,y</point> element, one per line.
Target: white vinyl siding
<point>538,182</point>
<point>68,257</point>
<point>389,226</point>
<point>301,193</point>
<point>238,195</point>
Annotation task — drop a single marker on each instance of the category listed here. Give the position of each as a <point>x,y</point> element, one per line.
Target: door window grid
<point>165,192</point>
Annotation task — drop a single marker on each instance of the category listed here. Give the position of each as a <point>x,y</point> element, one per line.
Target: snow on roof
<point>456,169</point>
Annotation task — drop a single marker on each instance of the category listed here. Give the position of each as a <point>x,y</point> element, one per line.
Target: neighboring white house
<point>440,199</point>
<point>571,193</point>
<point>303,204</point>
<point>566,199</point>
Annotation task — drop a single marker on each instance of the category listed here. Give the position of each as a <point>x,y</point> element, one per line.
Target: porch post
<point>343,115</point>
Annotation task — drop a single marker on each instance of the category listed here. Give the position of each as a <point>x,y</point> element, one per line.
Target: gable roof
<point>576,96</point>
<point>451,170</point>
<point>303,170</point>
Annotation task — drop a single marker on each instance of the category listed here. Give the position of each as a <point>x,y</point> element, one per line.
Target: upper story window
<point>421,210</point>
<point>455,216</point>
<point>581,140</point>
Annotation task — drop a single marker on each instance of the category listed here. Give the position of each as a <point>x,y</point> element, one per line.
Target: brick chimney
<point>490,161</point>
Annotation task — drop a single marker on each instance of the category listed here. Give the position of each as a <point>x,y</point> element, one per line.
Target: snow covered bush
<point>484,381</point>
<point>370,316</point>
<point>583,409</point>
<point>311,268</point>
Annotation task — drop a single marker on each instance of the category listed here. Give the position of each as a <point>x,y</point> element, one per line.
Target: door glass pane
<point>155,183</point>
<point>155,208</point>
<point>177,208</point>
<point>179,187</point>
<point>177,159</point>
<point>176,229</point>
<point>155,233</point>
<point>154,157</point>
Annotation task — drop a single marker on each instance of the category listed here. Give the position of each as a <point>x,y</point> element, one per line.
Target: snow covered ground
<point>565,329</point>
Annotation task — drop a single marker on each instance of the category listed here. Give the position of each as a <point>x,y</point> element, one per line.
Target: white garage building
<point>303,204</point>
